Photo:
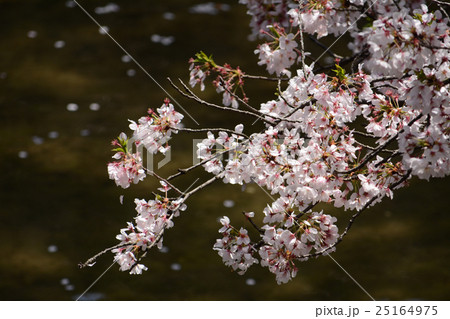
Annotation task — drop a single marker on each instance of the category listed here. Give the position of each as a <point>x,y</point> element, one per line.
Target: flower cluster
<point>155,130</point>
<point>280,245</point>
<point>400,41</point>
<point>154,216</point>
<point>128,168</point>
<point>235,248</point>
<point>228,80</point>
<point>265,13</point>
<point>280,54</point>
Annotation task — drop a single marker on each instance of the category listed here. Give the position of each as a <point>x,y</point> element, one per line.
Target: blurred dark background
<point>66,91</point>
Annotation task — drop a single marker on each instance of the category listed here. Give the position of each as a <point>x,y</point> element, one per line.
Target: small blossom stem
<point>222,81</point>
<point>166,181</point>
<point>157,239</point>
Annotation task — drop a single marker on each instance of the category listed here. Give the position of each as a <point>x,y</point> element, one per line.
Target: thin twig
<point>253,224</point>
<point>265,78</point>
<point>165,181</point>
<point>195,130</point>
<point>222,82</point>
<point>441,2</point>
<point>189,94</point>
<point>91,260</point>
<point>323,46</point>
<point>376,151</point>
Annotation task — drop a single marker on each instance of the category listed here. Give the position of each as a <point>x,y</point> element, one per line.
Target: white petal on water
<point>59,44</point>
<point>164,40</point>
<point>32,34</point>
<point>85,132</point>
<point>72,107</point>
<point>52,249</point>
<point>103,30</point>
<point>53,134</point>
<point>250,282</point>
<point>169,16</point>
<point>167,40</point>
<point>94,106</point>
<point>23,154</point>
<point>109,8</point>
<point>70,4</point>
<point>155,38</point>
<point>70,287</point>
<point>175,267</point>
<point>64,281</point>
<point>37,140</point>
<point>164,249</point>
<point>209,8</point>
<point>228,203</point>
<point>126,58</point>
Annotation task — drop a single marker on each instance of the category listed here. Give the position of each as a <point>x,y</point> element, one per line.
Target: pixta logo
<point>148,157</point>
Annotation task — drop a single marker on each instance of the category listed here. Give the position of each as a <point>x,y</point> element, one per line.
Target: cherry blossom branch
<point>152,173</point>
<point>376,151</point>
<point>91,261</point>
<point>356,215</point>
<point>265,78</point>
<point>189,94</point>
<point>200,187</point>
<point>216,129</point>
<point>441,2</point>
<point>161,233</point>
<point>222,82</point>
